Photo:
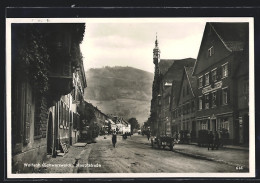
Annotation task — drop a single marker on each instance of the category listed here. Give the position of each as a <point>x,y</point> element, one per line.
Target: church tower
<point>156,53</point>
<point>155,90</point>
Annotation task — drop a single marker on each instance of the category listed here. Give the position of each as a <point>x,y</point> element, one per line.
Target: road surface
<point>135,155</point>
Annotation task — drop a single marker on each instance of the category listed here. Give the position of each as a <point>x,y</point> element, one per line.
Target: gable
<point>210,39</point>
<point>186,89</point>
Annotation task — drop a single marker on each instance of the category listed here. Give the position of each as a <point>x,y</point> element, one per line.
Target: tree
<point>134,124</point>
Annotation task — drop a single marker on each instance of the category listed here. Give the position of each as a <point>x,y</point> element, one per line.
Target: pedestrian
<point>188,138</point>
<point>148,135</point>
<point>114,139</point>
<point>216,142</point>
<point>210,140</point>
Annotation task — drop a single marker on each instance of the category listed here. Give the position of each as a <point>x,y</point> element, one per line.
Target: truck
<point>163,137</point>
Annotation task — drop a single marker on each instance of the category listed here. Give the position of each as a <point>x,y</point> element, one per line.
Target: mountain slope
<point>123,91</point>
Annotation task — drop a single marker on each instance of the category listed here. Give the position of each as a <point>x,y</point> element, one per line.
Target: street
<point>135,155</point>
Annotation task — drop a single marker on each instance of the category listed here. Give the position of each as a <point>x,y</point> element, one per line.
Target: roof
<point>176,69</point>
<point>191,79</point>
<point>165,64</point>
<point>233,35</point>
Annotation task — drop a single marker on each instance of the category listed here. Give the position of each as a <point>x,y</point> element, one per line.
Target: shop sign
<point>210,88</point>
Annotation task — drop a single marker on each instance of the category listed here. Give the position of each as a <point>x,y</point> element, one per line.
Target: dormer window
<point>210,51</point>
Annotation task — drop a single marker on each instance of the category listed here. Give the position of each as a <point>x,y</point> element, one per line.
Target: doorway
<point>214,124</point>
<point>49,135</point>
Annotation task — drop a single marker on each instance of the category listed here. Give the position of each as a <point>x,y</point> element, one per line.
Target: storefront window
<point>203,125</point>
<point>224,123</point>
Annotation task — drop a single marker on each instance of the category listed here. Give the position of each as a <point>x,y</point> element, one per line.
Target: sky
<point>130,42</point>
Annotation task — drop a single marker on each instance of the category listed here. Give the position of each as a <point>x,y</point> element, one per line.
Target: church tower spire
<point>156,52</point>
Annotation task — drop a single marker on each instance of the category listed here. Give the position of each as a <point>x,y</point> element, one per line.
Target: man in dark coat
<point>114,139</point>
<point>210,140</point>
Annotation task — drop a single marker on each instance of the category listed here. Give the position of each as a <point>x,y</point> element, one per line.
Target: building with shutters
<point>222,71</point>
<point>44,58</point>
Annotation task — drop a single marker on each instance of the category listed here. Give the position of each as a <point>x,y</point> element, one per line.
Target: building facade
<point>168,72</point>
<point>184,111</point>
<point>223,50</point>
<point>43,60</point>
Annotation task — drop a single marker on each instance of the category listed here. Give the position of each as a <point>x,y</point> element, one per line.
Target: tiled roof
<point>233,35</point>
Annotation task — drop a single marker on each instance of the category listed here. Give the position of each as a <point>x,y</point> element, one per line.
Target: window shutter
<point>203,80</point>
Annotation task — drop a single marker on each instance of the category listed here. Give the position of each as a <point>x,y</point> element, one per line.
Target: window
<point>214,75</point>
<point>210,51</point>
<point>224,96</point>
<point>207,101</point>
<point>214,99</point>
<point>224,123</point>
<point>225,70</point>
<point>203,125</point>
<point>200,102</point>
<point>200,81</point>
<point>207,79</point>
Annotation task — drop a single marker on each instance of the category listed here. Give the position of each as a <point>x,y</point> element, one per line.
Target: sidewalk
<point>236,156</point>
<point>65,164</point>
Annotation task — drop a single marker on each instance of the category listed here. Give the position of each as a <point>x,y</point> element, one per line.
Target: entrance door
<point>49,135</point>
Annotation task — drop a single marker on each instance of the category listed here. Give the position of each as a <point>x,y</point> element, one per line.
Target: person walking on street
<point>148,135</point>
<point>114,139</point>
<point>210,140</point>
<point>216,143</point>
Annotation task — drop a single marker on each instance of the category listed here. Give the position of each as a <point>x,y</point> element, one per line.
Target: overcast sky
<point>130,43</point>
